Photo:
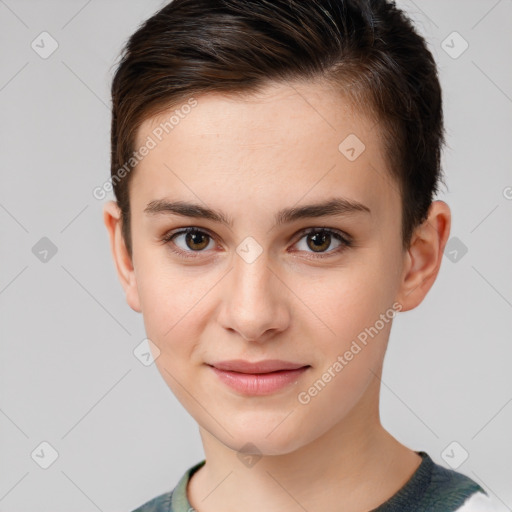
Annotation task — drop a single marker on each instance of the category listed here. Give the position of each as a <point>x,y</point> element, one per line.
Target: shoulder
<point>161,503</point>
<point>174,500</point>
<point>450,490</point>
<point>449,482</point>
<point>434,488</point>
<point>479,502</point>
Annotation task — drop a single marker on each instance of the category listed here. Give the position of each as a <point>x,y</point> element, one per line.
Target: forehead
<point>276,113</point>
<point>303,136</point>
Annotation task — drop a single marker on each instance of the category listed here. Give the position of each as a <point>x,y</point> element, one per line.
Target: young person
<point>275,165</point>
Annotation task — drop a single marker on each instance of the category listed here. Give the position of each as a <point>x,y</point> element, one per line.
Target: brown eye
<point>319,241</point>
<point>196,240</point>
<point>188,241</point>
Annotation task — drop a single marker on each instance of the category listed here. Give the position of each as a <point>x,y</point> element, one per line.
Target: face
<point>268,278</point>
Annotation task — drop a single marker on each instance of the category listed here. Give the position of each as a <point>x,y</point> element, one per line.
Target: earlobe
<point>122,260</point>
<point>424,256</point>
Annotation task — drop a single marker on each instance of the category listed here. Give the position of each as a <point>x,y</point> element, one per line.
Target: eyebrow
<point>338,206</point>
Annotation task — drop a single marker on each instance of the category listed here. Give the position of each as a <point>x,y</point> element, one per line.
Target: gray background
<point>68,373</point>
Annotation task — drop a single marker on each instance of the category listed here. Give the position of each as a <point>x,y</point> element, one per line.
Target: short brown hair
<point>366,48</point>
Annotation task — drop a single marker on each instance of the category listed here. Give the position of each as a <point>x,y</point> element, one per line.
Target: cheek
<point>357,311</point>
<point>170,295</point>
<point>174,317</point>
<point>346,300</point>
<point>354,310</point>
<point>176,308</point>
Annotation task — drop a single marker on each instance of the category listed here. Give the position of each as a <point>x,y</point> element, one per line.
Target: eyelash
<point>346,242</point>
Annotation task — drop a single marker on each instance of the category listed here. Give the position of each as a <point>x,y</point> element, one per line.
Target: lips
<point>259,379</point>
<point>266,366</point>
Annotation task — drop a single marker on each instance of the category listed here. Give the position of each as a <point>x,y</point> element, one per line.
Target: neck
<point>357,463</point>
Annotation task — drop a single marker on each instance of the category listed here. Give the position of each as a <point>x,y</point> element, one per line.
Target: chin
<point>259,443</point>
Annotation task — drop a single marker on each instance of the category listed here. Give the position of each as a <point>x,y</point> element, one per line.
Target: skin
<point>251,157</point>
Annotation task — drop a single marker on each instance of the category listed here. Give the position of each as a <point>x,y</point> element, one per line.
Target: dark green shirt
<point>432,488</point>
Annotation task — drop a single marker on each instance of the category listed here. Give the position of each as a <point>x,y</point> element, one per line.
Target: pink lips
<point>259,378</point>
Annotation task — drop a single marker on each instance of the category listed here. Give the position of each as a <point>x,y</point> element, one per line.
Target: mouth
<point>256,368</point>
<point>258,382</point>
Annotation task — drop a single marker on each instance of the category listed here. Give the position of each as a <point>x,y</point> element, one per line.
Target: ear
<point>122,259</point>
<point>424,256</point>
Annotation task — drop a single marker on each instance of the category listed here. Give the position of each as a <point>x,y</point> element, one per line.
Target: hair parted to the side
<point>366,49</point>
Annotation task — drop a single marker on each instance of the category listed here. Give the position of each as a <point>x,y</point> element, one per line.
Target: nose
<point>255,301</point>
